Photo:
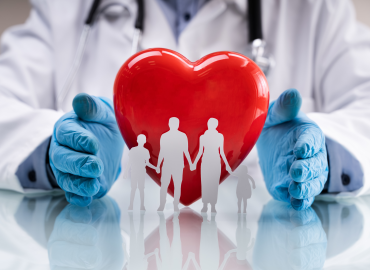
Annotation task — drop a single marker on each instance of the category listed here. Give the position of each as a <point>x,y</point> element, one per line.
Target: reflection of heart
<point>157,84</point>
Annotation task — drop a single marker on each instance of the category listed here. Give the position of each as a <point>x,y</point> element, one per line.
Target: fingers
<point>78,233</point>
<point>82,186</point>
<point>300,218</point>
<point>70,133</point>
<point>308,189</point>
<point>300,205</point>
<point>78,200</point>
<point>79,214</point>
<point>310,141</point>
<point>69,161</point>
<point>307,234</point>
<point>285,108</point>
<point>93,109</point>
<point>303,170</point>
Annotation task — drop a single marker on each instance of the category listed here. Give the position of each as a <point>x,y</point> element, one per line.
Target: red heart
<point>157,84</point>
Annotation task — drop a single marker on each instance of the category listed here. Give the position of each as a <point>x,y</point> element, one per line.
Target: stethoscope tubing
<point>254,25</point>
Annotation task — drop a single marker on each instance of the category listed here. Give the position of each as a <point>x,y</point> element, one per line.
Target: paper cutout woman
<point>211,145</point>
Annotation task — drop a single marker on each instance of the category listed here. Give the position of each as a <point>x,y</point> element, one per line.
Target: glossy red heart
<point>156,84</point>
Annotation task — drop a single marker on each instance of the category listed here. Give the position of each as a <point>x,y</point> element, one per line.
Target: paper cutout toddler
<point>243,189</point>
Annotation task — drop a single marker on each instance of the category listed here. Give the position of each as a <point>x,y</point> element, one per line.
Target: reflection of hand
<point>292,153</point>
<point>87,237</point>
<point>86,150</point>
<point>290,239</point>
<point>193,167</point>
<point>158,170</point>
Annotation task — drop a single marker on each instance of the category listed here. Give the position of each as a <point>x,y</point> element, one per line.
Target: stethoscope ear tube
<point>255,20</point>
<point>90,18</point>
<point>139,23</point>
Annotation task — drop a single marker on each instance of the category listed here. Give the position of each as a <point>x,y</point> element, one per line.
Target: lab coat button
<point>187,17</point>
<point>345,179</point>
<point>32,176</point>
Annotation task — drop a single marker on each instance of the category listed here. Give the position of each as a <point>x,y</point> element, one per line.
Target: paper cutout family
<point>179,253</point>
<point>173,147</point>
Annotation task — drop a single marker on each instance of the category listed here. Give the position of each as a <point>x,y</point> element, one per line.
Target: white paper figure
<point>211,145</point>
<point>174,144</point>
<point>138,159</point>
<point>243,237</point>
<point>243,189</point>
<point>171,255</point>
<point>138,260</point>
<point>209,251</point>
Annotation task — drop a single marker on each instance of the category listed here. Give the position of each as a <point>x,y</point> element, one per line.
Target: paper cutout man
<point>174,144</point>
<point>171,254</point>
<point>211,145</point>
<point>243,188</point>
<point>138,159</point>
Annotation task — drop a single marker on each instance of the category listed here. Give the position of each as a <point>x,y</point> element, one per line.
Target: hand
<point>292,153</point>
<point>158,170</point>
<point>86,150</point>
<point>290,239</point>
<point>87,237</point>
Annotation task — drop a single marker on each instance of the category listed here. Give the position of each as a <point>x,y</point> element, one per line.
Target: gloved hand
<point>292,153</point>
<point>86,150</point>
<point>87,237</point>
<point>289,239</point>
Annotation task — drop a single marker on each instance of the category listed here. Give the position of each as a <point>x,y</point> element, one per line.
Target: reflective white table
<point>44,232</point>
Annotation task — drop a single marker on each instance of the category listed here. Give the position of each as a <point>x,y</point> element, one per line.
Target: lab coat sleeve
<point>342,82</point>
<point>26,92</point>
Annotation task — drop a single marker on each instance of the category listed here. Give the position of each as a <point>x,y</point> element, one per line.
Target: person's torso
<point>138,156</point>
<point>212,142</point>
<point>172,147</point>
<point>218,25</point>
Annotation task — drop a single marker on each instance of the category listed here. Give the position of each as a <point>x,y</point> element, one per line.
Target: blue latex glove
<point>292,153</point>
<point>288,239</point>
<point>86,150</point>
<point>87,237</point>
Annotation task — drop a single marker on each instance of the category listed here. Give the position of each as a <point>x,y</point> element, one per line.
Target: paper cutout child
<point>243,188</point>
<point>138,160</point>
<point>211,146</point>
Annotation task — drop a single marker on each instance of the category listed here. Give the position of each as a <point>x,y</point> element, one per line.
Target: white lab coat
<point>318,47</point>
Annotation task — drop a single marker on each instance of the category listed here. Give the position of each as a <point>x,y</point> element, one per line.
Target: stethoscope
<point>257,43</point>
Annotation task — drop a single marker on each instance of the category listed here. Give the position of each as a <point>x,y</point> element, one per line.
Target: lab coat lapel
<point>219,25</point>
<point>157,32</point>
